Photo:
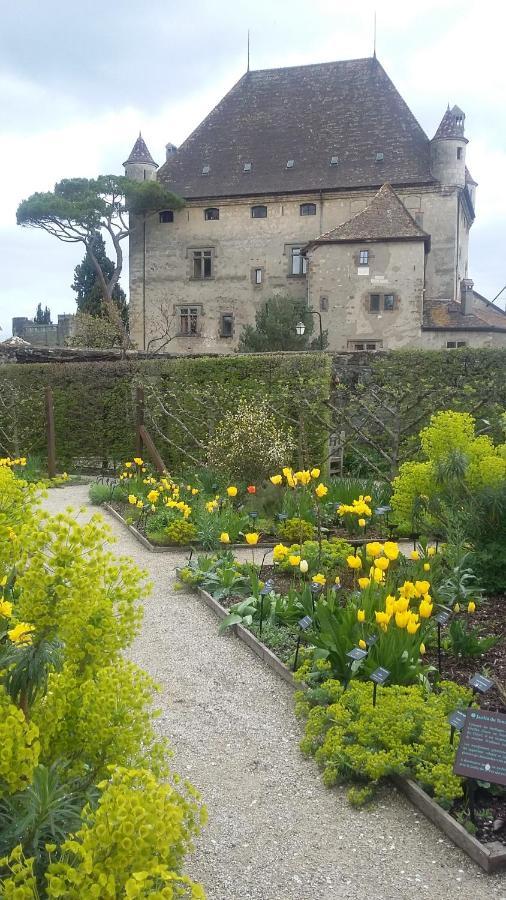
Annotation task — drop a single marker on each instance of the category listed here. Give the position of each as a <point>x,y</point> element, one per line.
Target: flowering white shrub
<point>250,443</point>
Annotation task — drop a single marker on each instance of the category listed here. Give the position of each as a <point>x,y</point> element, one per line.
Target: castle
<point>315,182</point>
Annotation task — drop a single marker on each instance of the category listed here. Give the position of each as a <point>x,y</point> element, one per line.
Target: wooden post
<point>152,451</point>
<point>51,444</point>
<point>139,419</point>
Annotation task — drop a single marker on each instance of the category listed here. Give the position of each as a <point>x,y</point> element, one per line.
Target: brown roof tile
<point>384,218</point>
<point>308,114</point>
<point>447,314</point>
<point>451,125</point>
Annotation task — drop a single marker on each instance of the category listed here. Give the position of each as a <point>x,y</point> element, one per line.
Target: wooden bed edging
<point>491,857</point>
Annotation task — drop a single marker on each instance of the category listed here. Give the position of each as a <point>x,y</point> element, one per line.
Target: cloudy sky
<point>78,81</point>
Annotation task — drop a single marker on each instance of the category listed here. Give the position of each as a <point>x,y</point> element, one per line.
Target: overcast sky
<point>78,81</point>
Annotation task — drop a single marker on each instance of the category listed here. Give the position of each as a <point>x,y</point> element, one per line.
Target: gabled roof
<point>140,153</point>
<point>384,218</point>
<point>451,125</point>
<point>447,315</point>
<point>349,110</point>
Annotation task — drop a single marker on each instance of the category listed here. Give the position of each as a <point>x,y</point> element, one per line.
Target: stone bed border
<point>491,857</point>
<point>178,548</point>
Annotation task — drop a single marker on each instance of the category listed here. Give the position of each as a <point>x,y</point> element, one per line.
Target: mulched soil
<point>488,810</point>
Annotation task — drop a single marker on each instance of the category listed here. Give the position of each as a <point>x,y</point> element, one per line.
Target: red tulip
<point>251,489</point>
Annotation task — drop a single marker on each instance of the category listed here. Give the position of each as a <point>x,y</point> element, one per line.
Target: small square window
<point>380,156</point>
<point>359,347</point>
<point>247,167</point>
<point>370,346</point>
<point>258,276</point>
<point>206,170</point>
<point>324,304</point>
<point>258,212</point>
<point>388,302</point>
<point>211,214</point>
<point>167,215</point>
<point>363,259</point>
<point>334,160</point>
<point>290,163</point>
<point>227,325</point>
<point>188,320</point>
<point>374,303</point>
<point>308,209</point>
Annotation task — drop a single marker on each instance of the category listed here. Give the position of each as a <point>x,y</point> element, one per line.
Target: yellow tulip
<point>138,461</point>
<point>252,537</point>
<point>362,644</point>
<point>415,555</point>
<point>421,588</point>
<point>232,491</point>
<point>361,615</point>
<point>294,560</point>
<point>373,549</point>
<point>471,606</point>
<point>337,581</point>
<point>382,563</point>
<point>315,473</point>
<point>456,608</point>
<point>132,499</point>
<point>128,465</point>
<point>378,575</point>
<point>361,523</point>
<point>5,609</point>
<point>21,633</point>
<point>354,562</point>
<point>287,471</point>
<point>153,496</point>
<point>276,479</point>
<point>364,583</point>
<point>382,618</point>
<point>431,551</point>
<point>401,605</point>
<point>225,537</point>
<point>321,491</point>
<point>319,579</point>
<point>422,649</point>
<point>391,550</point>
<point>279,552</point>
<point>412,626</point>
<point>401,619</point>
<point>425,609</point>
<point>303,566</point>
<point>426,567</point>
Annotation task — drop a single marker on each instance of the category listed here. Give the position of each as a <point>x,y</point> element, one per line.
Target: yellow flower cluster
<point>382,554</point>
<point>359,507</point>
<point>8,462</point>
<point>398,608</point>
<point>280,552</point>
<point>294,478</point>
<point>21,633</point>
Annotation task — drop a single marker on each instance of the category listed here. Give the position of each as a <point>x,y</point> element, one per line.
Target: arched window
<point>308,209</point>
<point>211,214</point>
<point>258,212</point>
<point>167,215</point>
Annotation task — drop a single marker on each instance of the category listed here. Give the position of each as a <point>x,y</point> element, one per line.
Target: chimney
<point>170,149</point>
<point>467,296</point>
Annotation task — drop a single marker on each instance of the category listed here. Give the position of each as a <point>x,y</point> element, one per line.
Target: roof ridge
<point>329,62</point>
<point>386,190</point>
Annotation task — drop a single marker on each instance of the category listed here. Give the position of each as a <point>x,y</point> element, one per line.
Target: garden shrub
<point>180,532</point>
<point>249,443</point>
<point>296,530</point>
<point>100,492</point>
<point>19,745</point>
<point>406,733</point>
<point>333,556</point>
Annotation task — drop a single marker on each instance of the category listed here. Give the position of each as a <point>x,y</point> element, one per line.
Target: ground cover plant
<point>88,804</point>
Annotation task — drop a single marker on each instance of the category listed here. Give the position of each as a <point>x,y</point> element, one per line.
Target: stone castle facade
<point>314,182</point>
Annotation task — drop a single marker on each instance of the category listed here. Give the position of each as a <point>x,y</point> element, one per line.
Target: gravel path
<point>274,832</point>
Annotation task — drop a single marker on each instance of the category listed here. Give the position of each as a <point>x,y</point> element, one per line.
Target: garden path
<point>274,832</point>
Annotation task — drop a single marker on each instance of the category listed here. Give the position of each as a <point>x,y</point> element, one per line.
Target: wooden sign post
<point>51,443</point>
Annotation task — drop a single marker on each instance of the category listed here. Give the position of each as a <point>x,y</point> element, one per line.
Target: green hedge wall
<point>95,404</point>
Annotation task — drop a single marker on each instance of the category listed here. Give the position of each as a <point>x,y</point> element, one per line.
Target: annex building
<point>315,182</point>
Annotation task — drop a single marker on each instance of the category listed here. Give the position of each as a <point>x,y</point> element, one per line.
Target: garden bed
<point>116,509</point>
<point>489,852</point>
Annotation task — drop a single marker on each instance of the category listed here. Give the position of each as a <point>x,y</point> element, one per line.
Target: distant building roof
<point>384,218</point>
<point>448,315</point>
<point>349,112</point>
<point>140,153</point>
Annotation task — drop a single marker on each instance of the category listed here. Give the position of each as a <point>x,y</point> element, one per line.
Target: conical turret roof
<point>140,153</point>
<point>451,125</point>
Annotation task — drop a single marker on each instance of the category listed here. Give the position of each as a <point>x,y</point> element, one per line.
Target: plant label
<point>305,623</point>
<point>443,617</point>
<point>457,719</point>
<point>380,675</point>
<point>482,749</point>
<point>357,653</point>
<point>480,683</point>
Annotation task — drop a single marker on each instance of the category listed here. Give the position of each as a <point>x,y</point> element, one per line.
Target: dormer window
<point>258,212</point>
<point>363,259</point>
<point>308,209</point>
<point>380,156</point>
<point>206,170</point>
<point>334,160</point>
<point>290,163</point>
<point>211,214</point>
<point>167,215</point>
<point>247,167</point>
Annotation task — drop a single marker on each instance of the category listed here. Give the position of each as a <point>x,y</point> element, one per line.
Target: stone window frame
<point>198,314</point>
<point>227,315</point>
<point>258,206</point>
<point>455,345</point>
<point>211,214</point>
<point>289,252</point>
<point>254,282</point>
<point>363,253</point>
<point>190,251</point>
<point>307,209</point>
<point>168,216</point>
<point>366,345</point>
<point>382,295</point>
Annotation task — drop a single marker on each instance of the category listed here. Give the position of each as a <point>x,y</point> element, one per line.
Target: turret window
<point>211,214</point>
<point>459,152</point>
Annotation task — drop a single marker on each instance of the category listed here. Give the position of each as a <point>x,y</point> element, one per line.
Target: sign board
<point>443,617</point>
<point>457,719</point>
<point>480,683</point>
<point>482,749</point>
<point>357,653</point>
<point>379,675</point>
<point>305,623</point>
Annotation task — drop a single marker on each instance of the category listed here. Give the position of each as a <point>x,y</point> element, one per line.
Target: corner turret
<point>140,165</point>
<point>448,149</point>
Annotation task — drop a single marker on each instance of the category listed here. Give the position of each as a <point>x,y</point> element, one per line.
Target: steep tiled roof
<point>446,314</point>
<point>469,177</point>
<point>348,110</point>
<point>384,218</point>
<point>451,125</point>
<point>140,153</point>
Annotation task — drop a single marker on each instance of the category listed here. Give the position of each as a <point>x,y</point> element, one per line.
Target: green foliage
<point>465,641</point>
<point>87,287</point>
<point>275,328</point>
<point>210,525</point>
<point>330,560</point>
<point>94,331</point>
<point>486,528</point>
<point>296,530</point>
<point>180,532</point>
<point>19,741</point>
<point>42,317</point>
<point>255,429</point>
<point>406,733</point>
<point>100,492</point>
<point>220,574</point>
